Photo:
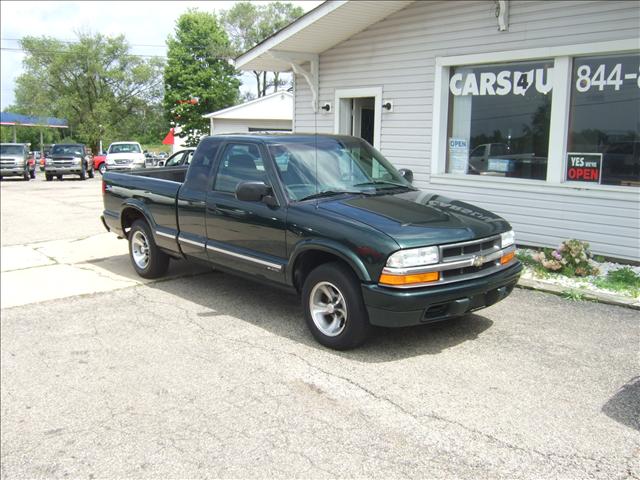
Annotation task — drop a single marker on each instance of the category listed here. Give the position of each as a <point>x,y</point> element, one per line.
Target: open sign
<point>584,167</point>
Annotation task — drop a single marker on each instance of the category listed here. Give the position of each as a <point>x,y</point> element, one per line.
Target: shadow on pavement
<point>279,312</point>
<point>624,406</point>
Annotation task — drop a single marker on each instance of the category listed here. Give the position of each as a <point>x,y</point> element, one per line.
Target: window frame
<point>562,57</point>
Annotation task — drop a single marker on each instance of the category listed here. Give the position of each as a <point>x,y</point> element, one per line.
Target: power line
<point>75,42</point>
<point>63,52</point>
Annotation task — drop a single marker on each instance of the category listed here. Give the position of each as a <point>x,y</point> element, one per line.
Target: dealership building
<point>530,109</point>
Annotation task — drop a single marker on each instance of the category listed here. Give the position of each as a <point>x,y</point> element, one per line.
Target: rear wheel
<point>147,259</point>
<point>333,307</point>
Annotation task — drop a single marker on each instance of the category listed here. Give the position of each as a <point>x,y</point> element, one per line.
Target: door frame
<point>376,93</point>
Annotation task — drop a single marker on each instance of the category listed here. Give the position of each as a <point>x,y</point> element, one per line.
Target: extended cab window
<point>239,163</point>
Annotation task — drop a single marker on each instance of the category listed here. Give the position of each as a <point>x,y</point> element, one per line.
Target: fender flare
<point>334,248</point>
<point>140,207</point>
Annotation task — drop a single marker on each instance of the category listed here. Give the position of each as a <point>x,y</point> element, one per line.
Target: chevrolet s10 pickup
<point>324,215</point>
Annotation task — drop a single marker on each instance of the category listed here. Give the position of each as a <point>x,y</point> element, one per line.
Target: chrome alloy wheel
<point>140,249</point>
<point>328,309</point>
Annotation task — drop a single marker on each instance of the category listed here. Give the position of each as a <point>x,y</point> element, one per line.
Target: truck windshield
<point>125,148</point>
<point>66,150</point>
<point>332,166</point>
<point>11,149</point>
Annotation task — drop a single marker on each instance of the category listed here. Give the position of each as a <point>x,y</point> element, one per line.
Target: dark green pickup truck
<point>325,215</point>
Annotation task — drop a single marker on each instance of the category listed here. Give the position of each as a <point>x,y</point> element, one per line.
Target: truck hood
<point>417,218</point>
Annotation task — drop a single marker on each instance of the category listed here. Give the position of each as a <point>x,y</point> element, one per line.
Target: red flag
<point>168,140</point>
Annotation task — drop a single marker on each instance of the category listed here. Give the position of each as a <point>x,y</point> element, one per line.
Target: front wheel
<point>59,177</point>
<point>102,168</point>
<point>48,177</point>
<point>83,172</point>
<point>26,176</point>
<point>32,173</point>
<point>147,259</point>
<point>333,307</point>
<point>91,173</point>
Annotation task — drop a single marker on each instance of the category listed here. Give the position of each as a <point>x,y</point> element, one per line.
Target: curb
<point>610,299</point>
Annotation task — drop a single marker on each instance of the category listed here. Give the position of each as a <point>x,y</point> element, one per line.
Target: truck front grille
<point>123,161</point>
<point>7,162</point>
<point>482,251</point>
<point>63,163</point>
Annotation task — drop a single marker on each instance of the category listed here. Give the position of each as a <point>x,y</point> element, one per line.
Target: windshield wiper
<point>330,193</point>
<point>383,182</point>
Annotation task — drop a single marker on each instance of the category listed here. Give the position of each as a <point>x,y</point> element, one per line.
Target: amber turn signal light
<point>399,280</point>
<point>507,257</point>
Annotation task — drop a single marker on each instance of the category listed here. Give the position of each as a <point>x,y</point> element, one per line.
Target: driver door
<point>245,236</point>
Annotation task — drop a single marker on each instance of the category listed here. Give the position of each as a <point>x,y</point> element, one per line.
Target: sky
<point>146,26</point>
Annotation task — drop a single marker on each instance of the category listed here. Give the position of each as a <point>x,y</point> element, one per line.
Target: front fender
<point>332,247</point>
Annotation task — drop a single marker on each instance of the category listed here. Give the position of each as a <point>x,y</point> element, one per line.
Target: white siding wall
<point>398,54</point>
<point>223,125</point>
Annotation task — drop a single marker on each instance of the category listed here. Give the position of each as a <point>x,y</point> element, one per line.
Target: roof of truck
<point>278,137</point>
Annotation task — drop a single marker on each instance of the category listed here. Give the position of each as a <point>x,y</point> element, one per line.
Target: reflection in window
<point>499,120</point>
<point>605,115</point>
<point>239,163</point>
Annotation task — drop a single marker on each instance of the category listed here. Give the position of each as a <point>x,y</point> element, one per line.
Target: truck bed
<point>153,190</point>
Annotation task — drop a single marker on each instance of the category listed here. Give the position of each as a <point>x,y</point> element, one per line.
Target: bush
<point>571,258</point>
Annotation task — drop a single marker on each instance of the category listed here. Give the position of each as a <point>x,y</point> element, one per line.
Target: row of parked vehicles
<point>77,159</point>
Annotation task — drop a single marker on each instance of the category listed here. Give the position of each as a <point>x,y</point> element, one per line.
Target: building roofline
<point>246,104</point>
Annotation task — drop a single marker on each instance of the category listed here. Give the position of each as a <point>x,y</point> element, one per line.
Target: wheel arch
<point>132,211</point>
<point>310,255</point>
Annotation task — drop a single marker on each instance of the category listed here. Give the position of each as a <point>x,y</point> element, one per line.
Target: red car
<point>99,163</point>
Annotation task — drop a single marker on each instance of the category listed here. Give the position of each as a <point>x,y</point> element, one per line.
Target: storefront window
<point>499,119</point>
<point>605,120</point>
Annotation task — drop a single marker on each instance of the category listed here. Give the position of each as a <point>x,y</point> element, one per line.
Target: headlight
<point>414,257</point>
<point>48,161</point>
<point>507,238</point>
<point>77,160</point>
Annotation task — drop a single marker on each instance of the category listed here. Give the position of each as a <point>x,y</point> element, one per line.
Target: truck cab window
<point>239,163</point>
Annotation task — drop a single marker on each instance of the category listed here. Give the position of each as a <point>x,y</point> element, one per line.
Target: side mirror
<point>406,174</point>
<point>255,192</point>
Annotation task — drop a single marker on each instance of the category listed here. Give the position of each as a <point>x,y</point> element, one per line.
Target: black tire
<point>354,326</point>
<point>91,173</point>
<point>102,168</point>
<point>83,172</point>
<point>32,173</point>
<point>59,177</point>
<point>26,176</point>
<point>158,261</point>
<point>48,177</point>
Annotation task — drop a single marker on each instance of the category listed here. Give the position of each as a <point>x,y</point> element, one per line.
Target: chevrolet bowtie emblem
<point>478,261</point>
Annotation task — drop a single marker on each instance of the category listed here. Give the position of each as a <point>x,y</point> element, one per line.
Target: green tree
<point>198,78</point>
<point>95,83</point>
<point>249,24</point>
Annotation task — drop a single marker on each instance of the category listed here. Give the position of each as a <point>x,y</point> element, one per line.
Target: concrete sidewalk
<point>65,268</point>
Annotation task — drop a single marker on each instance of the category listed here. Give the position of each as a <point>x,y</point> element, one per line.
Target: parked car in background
<point>327,216</point>
<point>99,162</point>
<point>14,161</point>
<point>182,157</point>
<point>31,161</point>
<point>68,159</point>
<point>125,156</point>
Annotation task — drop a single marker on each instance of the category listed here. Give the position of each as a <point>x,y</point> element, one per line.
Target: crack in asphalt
<point>555,457</point>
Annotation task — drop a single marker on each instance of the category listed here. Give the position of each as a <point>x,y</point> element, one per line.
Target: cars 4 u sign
<point>584,167</point>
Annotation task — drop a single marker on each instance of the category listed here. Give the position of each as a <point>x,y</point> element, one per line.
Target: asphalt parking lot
<point>202,374</point>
